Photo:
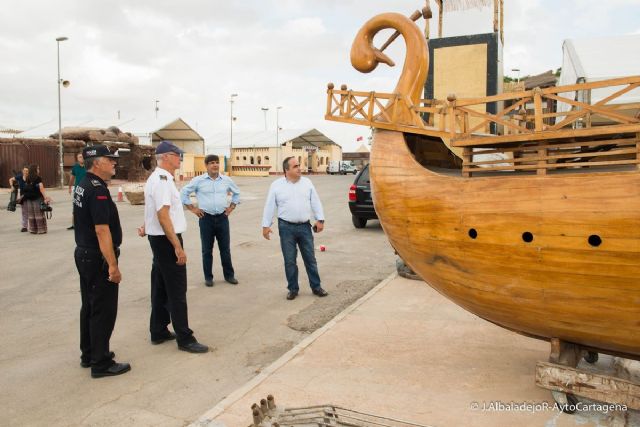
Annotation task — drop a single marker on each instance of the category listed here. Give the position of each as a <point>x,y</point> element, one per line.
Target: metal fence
<point>13,156</point>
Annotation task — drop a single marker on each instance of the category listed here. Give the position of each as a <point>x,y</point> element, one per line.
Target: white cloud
<point>192,55</point>
<point>305,27</point>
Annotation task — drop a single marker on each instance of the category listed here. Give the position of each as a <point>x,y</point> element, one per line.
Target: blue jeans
<point>214,227</point>
<point>293,236</point>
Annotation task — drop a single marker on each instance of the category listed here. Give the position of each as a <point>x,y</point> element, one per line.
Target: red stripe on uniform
<point>101,197</point>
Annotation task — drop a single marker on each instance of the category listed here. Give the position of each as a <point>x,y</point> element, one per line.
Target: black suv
<point>360,201</point>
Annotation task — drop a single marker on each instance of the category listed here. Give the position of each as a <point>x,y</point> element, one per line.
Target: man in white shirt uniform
<point>295,197</point>
<point>164,223</point>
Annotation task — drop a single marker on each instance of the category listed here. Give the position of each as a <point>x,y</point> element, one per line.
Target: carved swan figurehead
<point>365,57</point>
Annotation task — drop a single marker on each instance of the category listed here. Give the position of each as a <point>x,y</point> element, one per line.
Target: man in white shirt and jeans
<point>164,223</point>
<point>295,197</point>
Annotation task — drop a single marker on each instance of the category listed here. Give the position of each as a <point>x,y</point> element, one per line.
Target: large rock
<point>134,194</point>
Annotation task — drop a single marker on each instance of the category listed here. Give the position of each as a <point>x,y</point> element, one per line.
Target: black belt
<point>220,214</point>
<point>293,223</point>
<point>96,251</point>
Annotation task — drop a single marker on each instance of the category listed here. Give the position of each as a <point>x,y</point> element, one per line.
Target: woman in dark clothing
<point>32,195</point>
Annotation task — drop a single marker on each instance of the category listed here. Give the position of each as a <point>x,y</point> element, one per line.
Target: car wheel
<point>358,222</point>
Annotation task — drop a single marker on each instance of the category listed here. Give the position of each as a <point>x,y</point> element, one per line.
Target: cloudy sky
<point>192,54</point>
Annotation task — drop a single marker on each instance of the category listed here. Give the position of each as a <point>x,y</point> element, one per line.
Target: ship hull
<point>577,279</point>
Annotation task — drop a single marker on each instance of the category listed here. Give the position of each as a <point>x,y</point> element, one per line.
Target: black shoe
<point>111,371</point>
<point>23,230</point>
<point>194,347</point>
<point>292,295</point>
<point>232,280</point>
<point>70,228</point>
<point>319,292</point>
<point>209,283</point>
<point>87,364</point>
<point>168,336</point>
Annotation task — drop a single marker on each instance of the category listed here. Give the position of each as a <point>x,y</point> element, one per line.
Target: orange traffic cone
<point>120,194</point>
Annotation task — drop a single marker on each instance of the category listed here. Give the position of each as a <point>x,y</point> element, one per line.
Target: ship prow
<point>526,217</point>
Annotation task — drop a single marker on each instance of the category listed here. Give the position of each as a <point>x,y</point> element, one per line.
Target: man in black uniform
<point>98,237</point>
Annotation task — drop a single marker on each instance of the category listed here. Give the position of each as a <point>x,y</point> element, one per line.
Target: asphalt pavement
<point>248,326</point>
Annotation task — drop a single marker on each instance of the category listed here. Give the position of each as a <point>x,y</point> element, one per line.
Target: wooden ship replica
<point>543,240</point>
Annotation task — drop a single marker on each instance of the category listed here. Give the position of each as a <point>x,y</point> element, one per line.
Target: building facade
<point>257,154</point>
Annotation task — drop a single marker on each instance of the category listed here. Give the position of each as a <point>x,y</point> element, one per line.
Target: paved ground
<point>250,326</point>
<point>406,352</point>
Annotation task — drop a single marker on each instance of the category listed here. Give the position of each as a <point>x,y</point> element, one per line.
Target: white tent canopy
<point>594,59</point>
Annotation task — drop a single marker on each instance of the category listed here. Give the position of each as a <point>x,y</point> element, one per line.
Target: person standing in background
<point>33,196</point>
<point>20,180</point>
<point>78,172</point>
<point>213,212</point>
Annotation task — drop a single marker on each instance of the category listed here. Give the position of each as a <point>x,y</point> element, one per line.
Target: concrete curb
<point>206,418</point>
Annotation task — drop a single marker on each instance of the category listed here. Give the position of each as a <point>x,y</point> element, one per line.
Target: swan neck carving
<point>365,57</point>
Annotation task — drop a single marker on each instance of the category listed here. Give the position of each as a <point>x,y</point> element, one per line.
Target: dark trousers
<point>293,236</point>
<point>214,227</point>
<point>99,307</point>
<point>168,292</point>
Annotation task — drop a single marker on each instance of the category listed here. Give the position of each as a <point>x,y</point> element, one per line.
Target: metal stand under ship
<point>543,238</point>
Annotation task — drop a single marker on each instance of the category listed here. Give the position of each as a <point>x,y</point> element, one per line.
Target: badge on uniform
<point>163,177</point>
<point>96,183</point>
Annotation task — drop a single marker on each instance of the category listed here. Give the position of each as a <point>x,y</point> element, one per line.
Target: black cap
<point>97,151</point>
<point>168,147</point>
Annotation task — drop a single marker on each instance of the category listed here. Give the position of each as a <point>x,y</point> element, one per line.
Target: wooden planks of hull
<point>554,256</point>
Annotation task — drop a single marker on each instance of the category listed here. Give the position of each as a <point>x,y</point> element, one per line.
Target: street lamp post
<point>517,70</point>
<point>265,109</point>
<point>58,40</point>
<point>233,95</point>
<point>277,137</point>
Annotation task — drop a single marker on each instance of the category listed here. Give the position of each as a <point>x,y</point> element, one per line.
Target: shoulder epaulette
<point>96,183</point>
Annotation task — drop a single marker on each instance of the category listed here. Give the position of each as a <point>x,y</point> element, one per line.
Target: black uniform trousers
<point>99,306</point>
<point>168,292</point>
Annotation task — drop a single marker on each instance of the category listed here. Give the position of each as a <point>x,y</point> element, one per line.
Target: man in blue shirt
<point>213,211</point>
<point>295,198</point>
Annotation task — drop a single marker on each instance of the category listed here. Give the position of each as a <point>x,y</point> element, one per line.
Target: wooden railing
<point>534,134</point>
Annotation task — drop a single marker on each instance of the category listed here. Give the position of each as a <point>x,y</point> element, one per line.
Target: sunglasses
<point>176,154</point>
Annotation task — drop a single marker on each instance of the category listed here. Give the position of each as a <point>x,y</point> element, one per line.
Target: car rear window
<point>363,178</point>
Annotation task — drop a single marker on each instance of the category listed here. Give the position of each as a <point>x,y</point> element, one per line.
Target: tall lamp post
<point>233,95</point>
<point>65,83</point>
<point>264,110</point>
<point>517,70</point>
<point>277,137</point>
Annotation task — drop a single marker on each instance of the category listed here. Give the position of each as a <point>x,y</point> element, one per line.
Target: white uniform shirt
<point>294,201</point>
<point>160,190</point>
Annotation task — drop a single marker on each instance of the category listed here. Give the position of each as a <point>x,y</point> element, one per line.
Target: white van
<point>341,167</point>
